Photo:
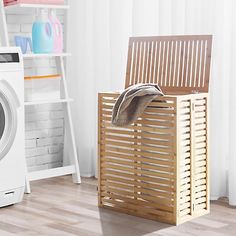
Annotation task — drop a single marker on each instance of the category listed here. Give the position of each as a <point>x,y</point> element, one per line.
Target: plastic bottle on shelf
<point>57,32</point>
<point>42,33</point>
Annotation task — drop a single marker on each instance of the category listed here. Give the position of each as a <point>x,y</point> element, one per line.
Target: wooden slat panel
<point>198,72</point>
<point>152,179</point>
<point>157,62</point>
<point>129,73</point>
<point>189,65</point>
<point>139,158</point>
<point>114,163</point>
<point>149,63</point>
<point>140,152</point>
<point>203,62</point>
<point>137,161</point>
<point>138,62</point>
<point>184,212</point>
<point>168,66</point>
<point>151,173</point>
<point>138,208</point>
<point>165,63</point>
<point>181,71</point>
<point>160,200</point>
<point>145,62</point>
<point>140,75</point>
<point>161,58</point>
<point>193,75</point>
<point>179,62</point>
<point>133,59</point>
<point>109,186</point>
<point>144,184</point>
<point>173,63</point>
<point>140,202</point>
<point>164,143</point>
<point>153,69</point>
<point>200,178</point>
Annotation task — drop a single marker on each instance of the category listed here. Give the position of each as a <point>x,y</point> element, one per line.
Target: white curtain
<point>98,38</point>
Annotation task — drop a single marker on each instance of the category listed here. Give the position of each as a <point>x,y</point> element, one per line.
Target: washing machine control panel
<point>9,58</point>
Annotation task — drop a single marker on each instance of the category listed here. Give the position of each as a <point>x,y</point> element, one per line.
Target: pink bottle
<point>57,32</point>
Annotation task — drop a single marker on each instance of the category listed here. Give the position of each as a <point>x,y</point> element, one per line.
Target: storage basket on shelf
<point>158,168</point>
<point>40,88</point>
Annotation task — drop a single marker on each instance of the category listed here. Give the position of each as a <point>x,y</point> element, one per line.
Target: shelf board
<point>50,173</point>
<point>22,6</point>
<point>42,55</point>
<point>48,102</point>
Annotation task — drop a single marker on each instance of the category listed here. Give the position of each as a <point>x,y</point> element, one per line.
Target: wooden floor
<point>58,207</point>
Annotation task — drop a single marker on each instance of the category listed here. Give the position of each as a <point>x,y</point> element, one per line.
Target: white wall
<point>99,45</point>
<point>232,115</point>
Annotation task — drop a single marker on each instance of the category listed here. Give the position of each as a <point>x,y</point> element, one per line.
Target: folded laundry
<point>23,43</point>
<point>132,102</point>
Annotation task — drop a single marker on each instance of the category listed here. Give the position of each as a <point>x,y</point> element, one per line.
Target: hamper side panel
<point>194,201</point>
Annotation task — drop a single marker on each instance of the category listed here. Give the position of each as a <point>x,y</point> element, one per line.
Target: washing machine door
<point>9,104</point>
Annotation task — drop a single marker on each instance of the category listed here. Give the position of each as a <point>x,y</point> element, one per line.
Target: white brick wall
<point>44,136</point>
<point>44,123</point>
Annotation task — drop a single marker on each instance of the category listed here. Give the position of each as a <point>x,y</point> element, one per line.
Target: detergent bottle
<point>57,32</point>
<point>42,33</point>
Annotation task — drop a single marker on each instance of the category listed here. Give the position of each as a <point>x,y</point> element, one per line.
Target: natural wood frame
<point>142,146</point>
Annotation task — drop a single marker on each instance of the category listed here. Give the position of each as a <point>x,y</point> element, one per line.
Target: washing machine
<point>12,134</point>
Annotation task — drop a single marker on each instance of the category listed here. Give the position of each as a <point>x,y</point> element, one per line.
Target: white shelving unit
<point>70,146</point>
<point>48,102</point>
<point>31,55</point>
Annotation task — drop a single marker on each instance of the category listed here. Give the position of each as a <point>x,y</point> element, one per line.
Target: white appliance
<point>12,134</point>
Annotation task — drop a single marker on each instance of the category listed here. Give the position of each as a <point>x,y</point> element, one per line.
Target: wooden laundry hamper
<point>158,167</point>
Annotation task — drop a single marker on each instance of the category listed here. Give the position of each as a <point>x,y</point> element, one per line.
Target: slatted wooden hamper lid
<point>175,63</point>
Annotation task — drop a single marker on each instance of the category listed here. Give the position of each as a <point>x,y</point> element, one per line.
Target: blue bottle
<point>42,34</point>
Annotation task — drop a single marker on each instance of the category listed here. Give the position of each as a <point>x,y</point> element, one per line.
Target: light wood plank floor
<point>58,207</point>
